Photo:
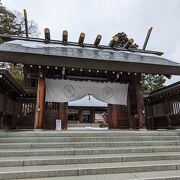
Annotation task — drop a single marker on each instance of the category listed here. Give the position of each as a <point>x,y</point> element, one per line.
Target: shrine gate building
<point>58,72</point>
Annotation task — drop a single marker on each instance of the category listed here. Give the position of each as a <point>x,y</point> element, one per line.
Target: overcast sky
<point>108,17</point>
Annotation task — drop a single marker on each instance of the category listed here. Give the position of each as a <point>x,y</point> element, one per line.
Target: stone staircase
<point>91,155</point>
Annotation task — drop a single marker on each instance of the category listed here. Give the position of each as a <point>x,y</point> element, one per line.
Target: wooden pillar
<point>169,114</point>
<point>1,120</point>
<point>132,104</point>
<point>112,116</point>
<point>129,112</point>
<point>92,115</point>
<point>14,120</point>
<point>109,121</point>
<point>27,82</point>
<point>4,107</point>
<point>169,122</point>
<point>63,114</point>
<point>81,116</point>
<point>38,123</point>
<point>140,102</point>
<point>129,108</point>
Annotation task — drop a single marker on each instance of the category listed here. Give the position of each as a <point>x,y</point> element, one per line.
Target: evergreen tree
<point>12,23</point>
<point>152,82</point>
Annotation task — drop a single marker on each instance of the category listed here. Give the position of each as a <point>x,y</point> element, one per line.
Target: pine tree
<point>152,82</point>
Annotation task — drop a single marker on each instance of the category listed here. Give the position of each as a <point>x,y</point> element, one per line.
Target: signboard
<point>58,124</point>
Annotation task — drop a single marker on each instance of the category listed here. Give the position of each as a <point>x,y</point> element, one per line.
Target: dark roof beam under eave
<point>86,78</point>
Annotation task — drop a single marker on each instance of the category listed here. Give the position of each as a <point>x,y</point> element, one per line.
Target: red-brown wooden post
<point>63,114</point>
<point>109,120</point>
<point>112,116</point>
<point>38,124</point>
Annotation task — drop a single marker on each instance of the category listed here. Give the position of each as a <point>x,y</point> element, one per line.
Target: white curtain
<point>67,90</point>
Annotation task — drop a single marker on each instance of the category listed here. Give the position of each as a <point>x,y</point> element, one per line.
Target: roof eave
<point>51,60</point>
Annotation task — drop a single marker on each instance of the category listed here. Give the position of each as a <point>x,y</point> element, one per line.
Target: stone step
<point>86,169</point>
<point>35,145</point>
<point>84,151</point>
<point>151,175</point>
<point>114,133</point>
<point>70,125</point>
<point>84,159</point>
<point>87,139</point>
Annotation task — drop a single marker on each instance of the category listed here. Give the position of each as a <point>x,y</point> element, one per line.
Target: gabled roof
<point>65,55</point>
<point>171,87</point>
<point>87,102</point>
<point>12,85</point>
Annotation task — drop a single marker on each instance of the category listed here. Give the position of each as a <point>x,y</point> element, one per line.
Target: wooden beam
<point>113,41</point>
<point>128,44</point>
<point>38,123</point>
<point>47,35</point>
<point>26,23</point>
<point>65,36</point>
<point>97,40</point>
<point>147,38</point>
<point>81,38</point>
<point>87,78</point>
<point>122,38</point>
